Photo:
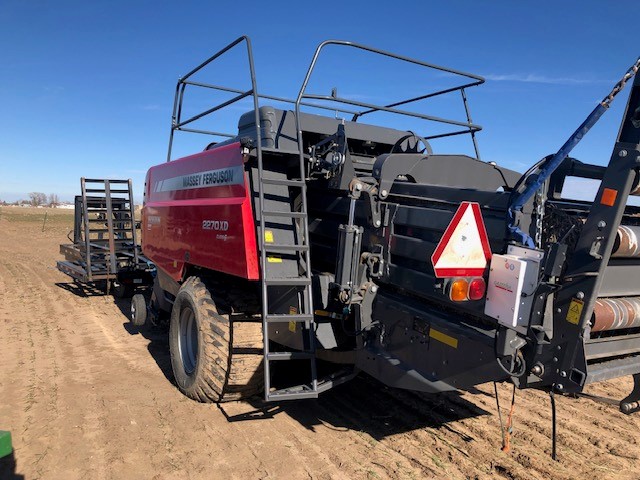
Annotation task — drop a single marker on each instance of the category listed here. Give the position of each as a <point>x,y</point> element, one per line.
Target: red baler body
<point>197,212</point>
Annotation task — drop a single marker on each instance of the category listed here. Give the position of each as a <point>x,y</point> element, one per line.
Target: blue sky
<point>87,87</point>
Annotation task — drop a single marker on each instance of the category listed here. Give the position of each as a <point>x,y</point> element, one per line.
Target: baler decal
<point>210,178</point>
<point>443,337</point>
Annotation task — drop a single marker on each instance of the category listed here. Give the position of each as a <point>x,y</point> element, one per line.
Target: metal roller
<point>626,243</point>
<point>616,313</point>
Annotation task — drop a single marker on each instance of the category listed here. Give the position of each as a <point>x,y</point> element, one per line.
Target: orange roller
<point>626,244</point>
<point>616,313</point>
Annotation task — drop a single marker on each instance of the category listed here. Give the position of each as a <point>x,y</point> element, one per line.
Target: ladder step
<point>275,247</point>
<point>287,182</point>
<point>292,317</point>
<point>287,282</point>
<point>267,213</point>
<point>290,356</point>
<point>106,240</point>
<point>104,220</point>
<point>103,180</point>
<point>102,190</point>
<point>295,393</point>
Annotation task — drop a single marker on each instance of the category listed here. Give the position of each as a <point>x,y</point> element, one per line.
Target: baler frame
<point>306,316</point>
<point>555,343</point>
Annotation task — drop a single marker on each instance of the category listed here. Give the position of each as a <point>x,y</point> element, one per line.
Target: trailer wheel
<point>122,291</point>
<point>138,310</point>
<point>213,359</point>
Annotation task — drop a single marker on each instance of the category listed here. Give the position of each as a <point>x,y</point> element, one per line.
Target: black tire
<point>122,291</point>
<point>138,315</point>
<point>213,359</point>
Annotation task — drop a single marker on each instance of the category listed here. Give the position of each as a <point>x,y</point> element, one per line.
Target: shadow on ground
<point>8,468</point>
<point>363,404</point>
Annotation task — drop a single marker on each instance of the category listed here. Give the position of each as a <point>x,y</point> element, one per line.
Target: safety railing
<point>467,127</point>
<point>338,104</point>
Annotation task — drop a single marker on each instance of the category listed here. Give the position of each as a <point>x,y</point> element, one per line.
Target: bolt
<point>563,374</point>
<point>602,224</point>
<point>377,224</point>
<point>558,310</point>
<point>560,387</point>
<point>558,347</point>
<point>536,370</point>
<point>374,288</point>
<point>622,153</point>
<point>555,359</point>
<point>580,295</point>
<point>384,193</point>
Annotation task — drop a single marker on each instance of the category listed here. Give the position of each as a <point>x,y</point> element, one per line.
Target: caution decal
<point>575,311</point>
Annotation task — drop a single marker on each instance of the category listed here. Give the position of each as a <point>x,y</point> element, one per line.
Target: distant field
<point>32,214</point>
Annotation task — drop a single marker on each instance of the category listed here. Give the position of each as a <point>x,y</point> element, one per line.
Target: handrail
<point>339,105</point>
<point>470,127</point>
<point>176,117</point>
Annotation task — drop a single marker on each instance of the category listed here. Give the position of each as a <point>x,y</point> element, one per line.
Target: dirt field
<point>86,396</point>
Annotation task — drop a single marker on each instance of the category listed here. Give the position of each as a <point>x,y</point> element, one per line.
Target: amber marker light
<point>477,288</point>
<point>458,290</point>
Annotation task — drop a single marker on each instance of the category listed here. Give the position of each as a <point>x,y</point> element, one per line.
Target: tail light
<point>477,288</point>
<point>463,289</point>
<point>458,290</point>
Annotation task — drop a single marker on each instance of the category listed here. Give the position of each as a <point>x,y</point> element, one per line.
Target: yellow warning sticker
<point>575,310</point>
<point>292,324</point>
<point>274,259</point>
<point>268,236</point>
<point>443,337</point>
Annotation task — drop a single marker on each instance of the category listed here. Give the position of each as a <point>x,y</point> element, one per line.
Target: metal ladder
<point>103,254</point>
<point>302,283</point>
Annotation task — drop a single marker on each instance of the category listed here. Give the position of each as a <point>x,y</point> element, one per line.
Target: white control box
<point>513,279</point>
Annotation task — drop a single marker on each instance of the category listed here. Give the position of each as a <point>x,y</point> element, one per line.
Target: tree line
<point>39,199</point>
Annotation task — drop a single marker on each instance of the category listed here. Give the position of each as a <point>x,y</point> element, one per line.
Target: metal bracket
<point>373,203</point>
<point>631,403</point>
<point>596,247</point>
<point>390,166</point>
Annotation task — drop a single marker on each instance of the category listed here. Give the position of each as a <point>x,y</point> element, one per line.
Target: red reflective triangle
<point>463,250</point>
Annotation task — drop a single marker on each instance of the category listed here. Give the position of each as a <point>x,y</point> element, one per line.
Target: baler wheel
<point>213,359</point>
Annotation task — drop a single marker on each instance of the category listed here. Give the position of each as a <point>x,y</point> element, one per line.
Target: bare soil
<point>87,396</point>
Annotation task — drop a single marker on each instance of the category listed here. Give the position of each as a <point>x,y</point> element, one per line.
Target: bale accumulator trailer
<point>326,241</point>
<point>104,249</point>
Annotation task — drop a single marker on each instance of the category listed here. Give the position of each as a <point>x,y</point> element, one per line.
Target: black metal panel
<point>612,346</point>
<point>621,278</point>
<point>421,348</point>
<point>613,369</point>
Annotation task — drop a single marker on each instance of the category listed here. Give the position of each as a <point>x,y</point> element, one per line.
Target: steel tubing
<point>616,313</point>
<point>626,243</point>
